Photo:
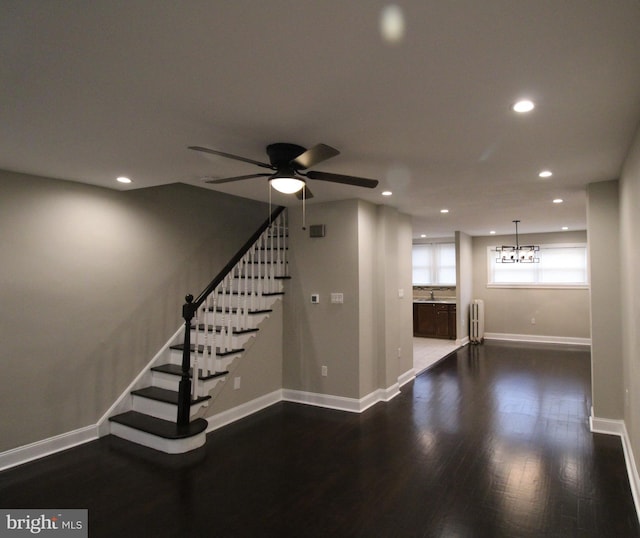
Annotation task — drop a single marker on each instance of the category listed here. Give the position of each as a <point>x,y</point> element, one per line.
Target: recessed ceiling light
<point>558,201</point>
<point>123,179</point>
<point>386,193</point>
<point>565,228</point>
<point>444,211</point>
<point>492,232</point>
<point>423,235</point>
<point>545,173</point>
<point>523,106</point>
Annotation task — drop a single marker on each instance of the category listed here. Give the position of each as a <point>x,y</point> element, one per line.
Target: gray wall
<point>91,285</point>
<point>630,261</point>
<point>606,319</point>
<point>323,334</point>
<point>558,312</point>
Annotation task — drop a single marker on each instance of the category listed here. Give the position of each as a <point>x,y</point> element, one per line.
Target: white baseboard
<point>46,447</point>
<point>618,427</point>
<point>244,410</point>
<point>409,375</point>
<point>568,340</point>
<point>460,342</point>
<point>341,403</point>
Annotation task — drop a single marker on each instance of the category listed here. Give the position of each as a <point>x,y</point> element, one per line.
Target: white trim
<point>409,375</point>
<point>461,342</point>
<point>568,340</point>
<point>244,410</point>
<point>46,447</point>
<point>341,403</point>
<point>124,401</point>
<point>618,427</point>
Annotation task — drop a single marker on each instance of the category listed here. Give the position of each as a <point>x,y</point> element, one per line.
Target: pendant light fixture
<point>518,253</point>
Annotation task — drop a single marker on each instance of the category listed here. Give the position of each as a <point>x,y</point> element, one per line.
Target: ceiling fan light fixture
<point>286,184</point>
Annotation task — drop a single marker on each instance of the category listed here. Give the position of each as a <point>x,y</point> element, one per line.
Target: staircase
<point>165,411</point>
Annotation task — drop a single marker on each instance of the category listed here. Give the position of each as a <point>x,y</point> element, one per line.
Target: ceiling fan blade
<point>313,156</point>
<point>236,178</point>
<point>347,180</point>
<point>231,156</point>
<point>307,195</point>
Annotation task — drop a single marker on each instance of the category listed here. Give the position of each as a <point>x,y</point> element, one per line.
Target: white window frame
<point>491,263</point>
<point>435,267</point>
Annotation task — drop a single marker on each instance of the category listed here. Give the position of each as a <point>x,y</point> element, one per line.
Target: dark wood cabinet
<point>434,320</point>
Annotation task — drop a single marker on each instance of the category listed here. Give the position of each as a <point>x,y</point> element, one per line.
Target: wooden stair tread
<point>234,310</point>
<point>176,369</point>
<point>159,427</point>
<point>180,347</point>
<point>234,331</point>
<point>242,293</point>
<point>165,395</point>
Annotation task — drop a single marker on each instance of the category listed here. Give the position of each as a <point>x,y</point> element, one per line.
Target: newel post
<point>184,390</point>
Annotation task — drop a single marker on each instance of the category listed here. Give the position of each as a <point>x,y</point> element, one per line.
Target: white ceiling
<point>93,90</point>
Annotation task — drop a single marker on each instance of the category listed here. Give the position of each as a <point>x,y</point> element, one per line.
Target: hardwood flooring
<point>491,442</point>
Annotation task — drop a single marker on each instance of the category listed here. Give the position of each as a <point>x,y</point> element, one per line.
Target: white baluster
<point>228,345</point>
<point>194,375</point>
<point>279,261</point>
<point>285,239</point>
<point>223,316</point>
<point>232,311</point>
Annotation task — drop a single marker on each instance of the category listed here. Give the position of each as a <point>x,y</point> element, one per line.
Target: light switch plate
<point>315,298</point>
<point>337,298</point>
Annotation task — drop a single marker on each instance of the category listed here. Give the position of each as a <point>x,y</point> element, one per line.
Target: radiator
<point>476,325</point>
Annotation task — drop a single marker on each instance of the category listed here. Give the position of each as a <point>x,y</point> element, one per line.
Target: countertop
<point>435,301</point>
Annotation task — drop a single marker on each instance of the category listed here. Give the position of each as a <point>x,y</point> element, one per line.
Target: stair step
<point>165,395</point>
<point>159,427</point>
<point>242,293</point>
<point>176,369</point>
<point>257,277</point>
<point>219,328</point>
<point>234,310</point>
<point>180,347</point>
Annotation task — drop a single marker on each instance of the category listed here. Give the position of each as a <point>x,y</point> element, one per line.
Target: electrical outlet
<point>324,371</point>
<point>399,352</point>
<point>533,321</point>
<point>236,383</point>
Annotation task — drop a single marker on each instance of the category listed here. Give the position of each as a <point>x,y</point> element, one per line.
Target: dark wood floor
<point>492,442</point>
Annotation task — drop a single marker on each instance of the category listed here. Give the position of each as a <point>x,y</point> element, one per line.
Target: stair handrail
<point>234,261</point>
<point>190,308</point>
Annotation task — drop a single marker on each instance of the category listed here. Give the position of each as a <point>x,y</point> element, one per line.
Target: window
<point>561,266</point>
<point>434,264</point>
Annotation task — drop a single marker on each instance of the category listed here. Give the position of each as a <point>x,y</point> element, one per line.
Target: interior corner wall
<point>605,296</point>
<point>629,263</point>
<point>464,284</point>
<point>91,287</point>
<point>394,310</point>
<point>405,283</point>
<point>371,321</point>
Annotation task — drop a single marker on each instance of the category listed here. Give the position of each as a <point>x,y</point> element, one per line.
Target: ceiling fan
<point>287,161</point>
